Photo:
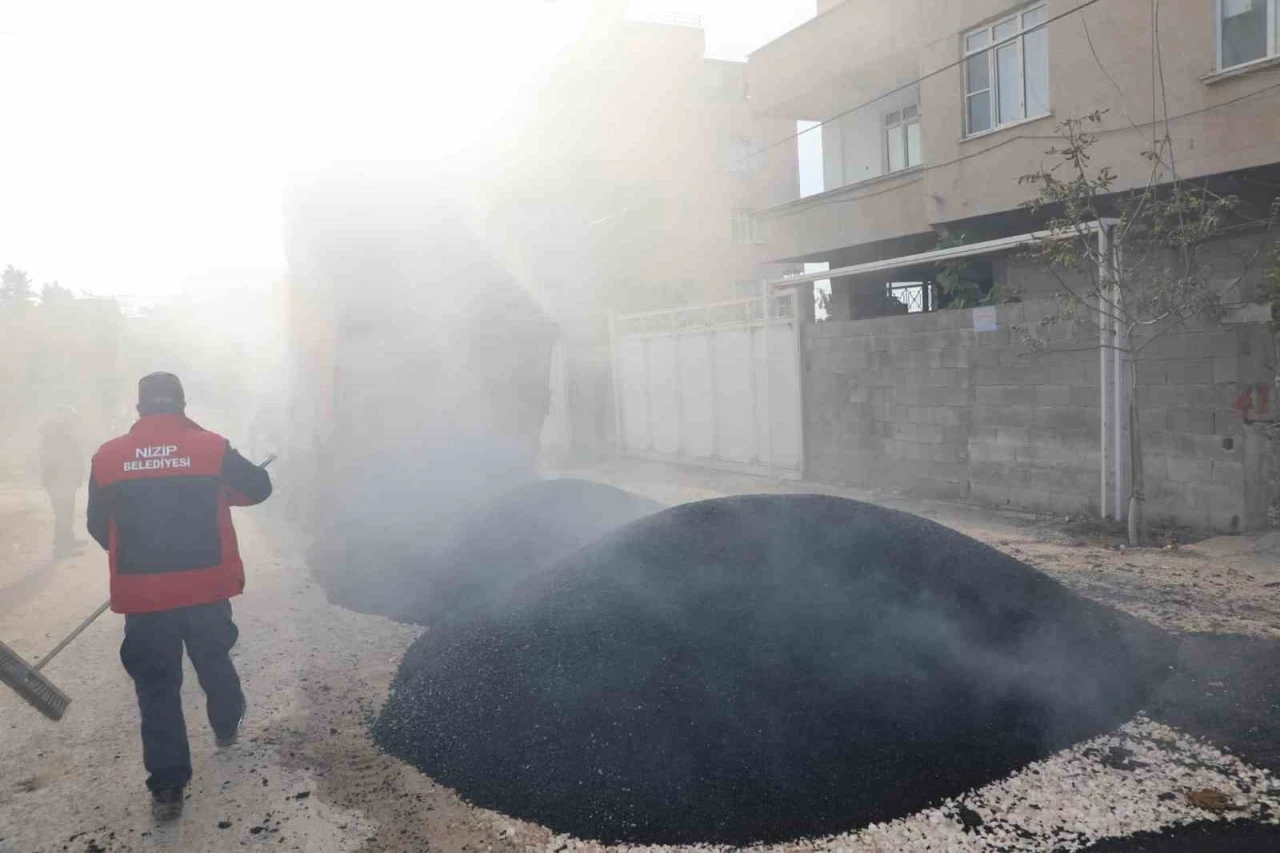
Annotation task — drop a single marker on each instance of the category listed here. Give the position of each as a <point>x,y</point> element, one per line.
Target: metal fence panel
<point>634,392</point>
<point>735,396</point>
<point>664,395</point>
<point>697,388</point>
<point>712,384</point>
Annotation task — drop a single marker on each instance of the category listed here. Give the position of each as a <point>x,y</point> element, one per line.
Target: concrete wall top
<point>889,206</point>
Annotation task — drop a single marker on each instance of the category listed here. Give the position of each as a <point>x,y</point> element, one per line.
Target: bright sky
<point>146,142</point>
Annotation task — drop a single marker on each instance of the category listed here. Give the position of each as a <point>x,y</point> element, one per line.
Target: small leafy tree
<point>15,287</point>
<point>54,295</point>
<point>961,283</point>
<point>1273,285</point>
<point>1157,276</point>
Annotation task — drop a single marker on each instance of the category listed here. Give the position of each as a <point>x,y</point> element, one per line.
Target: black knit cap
<point>159,393</point>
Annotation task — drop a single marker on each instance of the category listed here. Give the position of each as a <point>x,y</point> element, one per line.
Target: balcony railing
<point>648,14</point>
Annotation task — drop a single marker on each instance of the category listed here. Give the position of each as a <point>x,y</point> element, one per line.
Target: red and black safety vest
<point>159,502</point>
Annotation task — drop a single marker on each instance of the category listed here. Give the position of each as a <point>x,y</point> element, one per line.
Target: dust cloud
<point>429,369</point>
<point>72,360</point>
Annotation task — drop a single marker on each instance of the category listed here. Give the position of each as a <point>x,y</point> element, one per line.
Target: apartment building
<point>961,121</point>
<point>632,189</point>
<point>636,178</point>
<point>930,112</point>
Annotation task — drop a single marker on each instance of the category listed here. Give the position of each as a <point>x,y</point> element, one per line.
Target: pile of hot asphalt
<point>511,539</point>
<point>763,668</point>
<point>451,573</point>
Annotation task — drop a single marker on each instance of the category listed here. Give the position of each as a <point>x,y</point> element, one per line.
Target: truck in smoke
<point>420,375</point>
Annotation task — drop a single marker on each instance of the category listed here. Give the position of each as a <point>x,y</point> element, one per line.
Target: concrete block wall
<point>924,404</point>
<point>889,402</point>
<point>1193,446</point>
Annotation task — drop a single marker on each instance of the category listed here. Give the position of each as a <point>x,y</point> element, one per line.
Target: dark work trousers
<point>152,655</point>
<point>63,499</point>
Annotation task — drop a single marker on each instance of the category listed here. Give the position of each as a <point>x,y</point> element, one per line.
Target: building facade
<point>636,178</point>
<point>930,114</point>
<point>633,189</point>
<point>945,147</point>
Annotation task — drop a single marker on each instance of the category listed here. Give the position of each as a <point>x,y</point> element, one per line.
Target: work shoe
<point>222,741</point>
<point>166,804</point>
<point>229,739</point>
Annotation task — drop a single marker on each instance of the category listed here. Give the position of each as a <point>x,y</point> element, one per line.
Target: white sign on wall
<point>984,319</point>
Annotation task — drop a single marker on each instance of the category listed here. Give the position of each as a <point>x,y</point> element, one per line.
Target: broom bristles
<point>33,687</point>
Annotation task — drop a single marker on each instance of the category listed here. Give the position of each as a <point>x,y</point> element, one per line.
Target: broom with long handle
<point>26,680</point>
<point>30,684</point>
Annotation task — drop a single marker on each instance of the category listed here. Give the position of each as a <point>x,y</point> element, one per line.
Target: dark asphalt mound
<point>1210,836</point>
<point>764,668</point>
<point>360,572</point>
<point>512,538</point>
<point>467,562</point>
<point>1225,688</point>
<point>389,517</point>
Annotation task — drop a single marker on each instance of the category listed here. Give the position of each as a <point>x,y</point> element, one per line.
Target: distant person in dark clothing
<point>159,503</point>
<point>61,473</point>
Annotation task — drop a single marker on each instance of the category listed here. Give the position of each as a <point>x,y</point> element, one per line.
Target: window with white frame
<point>1006,70</point>
<point>902,138</point>
<point>745,229</point>
<point>1248,30</point>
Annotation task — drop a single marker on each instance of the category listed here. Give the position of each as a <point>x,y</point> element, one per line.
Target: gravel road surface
<point>306,775</point>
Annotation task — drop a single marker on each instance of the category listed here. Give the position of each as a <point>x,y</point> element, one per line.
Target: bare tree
<point>1151,272</point>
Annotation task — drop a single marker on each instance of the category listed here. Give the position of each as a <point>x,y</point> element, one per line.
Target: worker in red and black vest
<point>62,473</point>
<point>160,499</point>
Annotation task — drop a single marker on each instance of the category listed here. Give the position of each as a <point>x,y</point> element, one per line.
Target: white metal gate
<point>715,385</point>
<point>556,437</point>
